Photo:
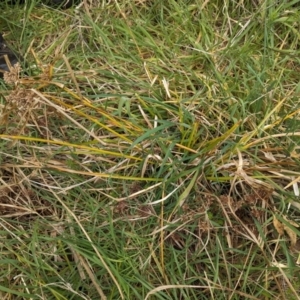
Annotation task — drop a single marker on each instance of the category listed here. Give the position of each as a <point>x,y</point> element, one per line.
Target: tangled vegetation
<point>150,150</point>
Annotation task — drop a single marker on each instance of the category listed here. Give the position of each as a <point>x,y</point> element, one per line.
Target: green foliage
<point>146,151</point>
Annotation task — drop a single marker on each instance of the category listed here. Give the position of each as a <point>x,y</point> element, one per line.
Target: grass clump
<point>151,151</point>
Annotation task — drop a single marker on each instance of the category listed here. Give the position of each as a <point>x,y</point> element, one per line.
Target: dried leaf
<point>296,189</point>
<point>269,156</point>
<point>290,232</point>
<point>278,226</point>
<point>279,265</point>
<point>281,228</point>
<point>292,235</point>
<point>295,224</point>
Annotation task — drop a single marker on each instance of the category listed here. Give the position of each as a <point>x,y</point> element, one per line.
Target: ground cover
<point>151,151</point>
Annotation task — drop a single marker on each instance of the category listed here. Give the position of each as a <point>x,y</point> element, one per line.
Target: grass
<point>151,151</point>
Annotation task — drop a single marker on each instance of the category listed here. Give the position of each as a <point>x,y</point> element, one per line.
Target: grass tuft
<point>150,150</point>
